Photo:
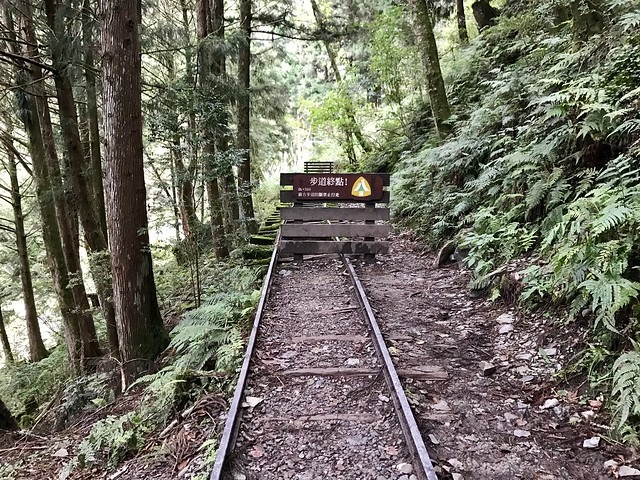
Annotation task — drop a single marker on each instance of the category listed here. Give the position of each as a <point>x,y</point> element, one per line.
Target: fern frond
<point>626,386</point>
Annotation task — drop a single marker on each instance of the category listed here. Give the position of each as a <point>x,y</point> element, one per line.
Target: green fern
<point>626,386</point>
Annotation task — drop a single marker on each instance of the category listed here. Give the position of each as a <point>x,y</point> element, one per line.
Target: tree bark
<point>435,84</point>
<point>95,170</point>
<point>83,192</point>
<point>203,21</point>
<point>227,180</point>
<point>484,14</point>
<point>4,339</point>
<point>37,350</point>
<point>462,23</point>
<point>185,171</point>
<point>141,331</point>
<point>7,422</point>
<point>65,213</point>
<point>243,138</point>
<point>25,78</point>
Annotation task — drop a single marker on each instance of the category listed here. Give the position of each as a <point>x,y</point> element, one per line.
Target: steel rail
<point>421,459</point>
<point>407,420</point>
<point>231,425</point>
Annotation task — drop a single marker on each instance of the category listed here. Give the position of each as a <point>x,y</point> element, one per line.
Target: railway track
<point>318,396</point>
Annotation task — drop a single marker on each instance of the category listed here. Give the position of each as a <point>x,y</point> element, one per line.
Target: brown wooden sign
<point>338,186</point>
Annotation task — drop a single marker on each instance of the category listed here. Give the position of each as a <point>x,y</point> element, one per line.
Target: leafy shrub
<point>544,161</point>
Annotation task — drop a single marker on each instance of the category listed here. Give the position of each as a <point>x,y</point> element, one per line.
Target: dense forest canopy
<point>140,147</point>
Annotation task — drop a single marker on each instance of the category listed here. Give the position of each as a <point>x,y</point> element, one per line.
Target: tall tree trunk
<point>227,180</point>
<point>187,176</point>
<point>37,350</point>
<point>462,23</point>
<point>203,21</point>
<point>4,339</point>
<point>83,193</point>
<point>243,138</point>
<point>353,128</point>
<point>95,169</point>
<point>141,331</point>
<point>26,78</point>
<point>435,84</point>
<point>65,213</point>
<point>7,422</point>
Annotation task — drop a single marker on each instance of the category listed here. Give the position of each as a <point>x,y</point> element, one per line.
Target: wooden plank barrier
<point>311,192</point>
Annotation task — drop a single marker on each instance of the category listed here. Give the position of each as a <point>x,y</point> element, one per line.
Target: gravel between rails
<point>317,427</point>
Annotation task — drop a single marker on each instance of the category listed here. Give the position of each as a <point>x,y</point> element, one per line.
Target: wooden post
<point>298,257</point>
<point>369,257</point>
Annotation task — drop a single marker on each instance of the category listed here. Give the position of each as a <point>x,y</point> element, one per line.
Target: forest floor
<point>504,410</point>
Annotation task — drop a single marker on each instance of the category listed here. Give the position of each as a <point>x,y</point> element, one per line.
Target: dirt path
<point>514,423</point>
<point>518,422</point>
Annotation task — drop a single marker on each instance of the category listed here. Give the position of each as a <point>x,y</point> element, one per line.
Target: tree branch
<point>19,61</point>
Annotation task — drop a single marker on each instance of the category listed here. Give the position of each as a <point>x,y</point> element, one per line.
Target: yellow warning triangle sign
<point>361,188</point>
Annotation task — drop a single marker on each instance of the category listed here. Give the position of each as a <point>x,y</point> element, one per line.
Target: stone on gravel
<point>625,471</point>
<point>63,452</point>
<point>285,273</point>
<point>442,406</point>
<point>457,476</point>
<point>405,468</point>
<point>487,368</point>
<point>352,361</point>
<point>252,402</point>
<point>550,352</point>
<point>505,329</point>
<point>505,318</point>
<point>510,417</point>
<point>521,433</point>
<point>455,463</point>
<point>592,442</point>
<point>550,403</point>
<point>434,439</point>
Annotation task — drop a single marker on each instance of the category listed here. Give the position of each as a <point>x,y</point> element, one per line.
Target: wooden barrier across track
<point>318,395</point>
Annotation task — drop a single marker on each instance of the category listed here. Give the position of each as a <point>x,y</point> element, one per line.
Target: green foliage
<point>34,383</point>
<point>209,338</point>
<point>626,386</point>
<point>544,162</point>
<point>112,438</point>
<point>395,62</point>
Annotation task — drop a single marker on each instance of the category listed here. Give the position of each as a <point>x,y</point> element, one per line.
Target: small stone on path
<point>505,318</point>
<point>625,471</point>
<point>550,403</point>
<point>521,433</point>
<point>592,442</point>
<point>505,329</point>
<point>487,368</point>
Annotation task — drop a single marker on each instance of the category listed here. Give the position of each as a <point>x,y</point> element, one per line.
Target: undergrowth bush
<point>208,339</point>
<point>545,162</point>
<point>26,386</point>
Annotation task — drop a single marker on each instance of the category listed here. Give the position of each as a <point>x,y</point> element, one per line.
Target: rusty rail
<point>421,460</point>
<point>231,425</point>
<point>408,423</point>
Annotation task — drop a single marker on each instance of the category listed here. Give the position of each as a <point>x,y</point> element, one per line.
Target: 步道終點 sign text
<point>336,186</point>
